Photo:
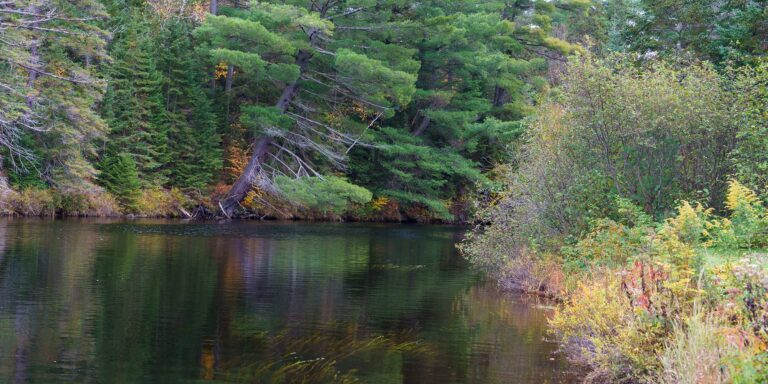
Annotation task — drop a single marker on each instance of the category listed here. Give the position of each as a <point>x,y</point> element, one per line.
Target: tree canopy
<point>417,102</point>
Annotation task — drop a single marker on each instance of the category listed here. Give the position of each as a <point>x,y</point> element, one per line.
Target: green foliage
<point>747,225</point>
<point>750,156</point>
<point>120,176</point>
<point>730,30</point>
<point>194,147</point>
<point>403,167</point>
<point>330,195</point>
<point>49,85</point>
<point>644,133</point>
<point>133,105</point>
<point>415,101</point>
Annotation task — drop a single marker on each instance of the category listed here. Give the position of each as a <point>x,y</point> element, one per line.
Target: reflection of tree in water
<point>132,303</point>
<point>509,342</point>
<point>45,301</point>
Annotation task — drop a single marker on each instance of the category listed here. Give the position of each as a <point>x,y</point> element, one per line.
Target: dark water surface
<point>172,302</point>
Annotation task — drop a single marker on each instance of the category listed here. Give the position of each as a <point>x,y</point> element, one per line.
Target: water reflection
<point>153,301</point>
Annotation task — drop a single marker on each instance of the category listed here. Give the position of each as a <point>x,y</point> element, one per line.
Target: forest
<point>612,154</point>
<point>362,110</point>
<point>359,110</point>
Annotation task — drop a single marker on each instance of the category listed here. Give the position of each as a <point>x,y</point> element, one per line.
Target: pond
<point>150,301</point>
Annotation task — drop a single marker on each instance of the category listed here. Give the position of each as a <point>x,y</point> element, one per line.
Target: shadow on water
<point>161,301</point>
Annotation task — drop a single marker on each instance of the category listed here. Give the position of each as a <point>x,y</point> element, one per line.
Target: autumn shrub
<point>530,272</point>
<point>609,243</point>
<point>598,329</point>
<point>750,276</point>
<point>652,311</point>
<point>747,224</point>
<point>98,203</point>
<point>158,202</point>
<point>697,352</point>
<point>743,286</point>
<point>33,202</point>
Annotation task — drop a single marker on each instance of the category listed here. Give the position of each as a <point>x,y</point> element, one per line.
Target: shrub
<point>599,331</point>
<point>748,369</point>
<point>87,203</point>
<point>530,272</point>
<point>158,202</point>
<point>33,202</point>
<point>691,225</point>
<point>747,225</point>
<point>696,352</point>
<point>609,243</point>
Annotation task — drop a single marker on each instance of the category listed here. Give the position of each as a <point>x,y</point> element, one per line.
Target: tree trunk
<point>230,75</point>
<point>422,126</point>
<point>500,97</point>
<point>261,143</point>
<point>34,59</point>
<point>247,179</point>
<point>214,9</point>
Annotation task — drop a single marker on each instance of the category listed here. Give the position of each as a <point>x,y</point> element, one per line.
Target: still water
<point>92,301</point>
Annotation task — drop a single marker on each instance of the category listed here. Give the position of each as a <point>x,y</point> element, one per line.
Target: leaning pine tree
<point>311,62</point>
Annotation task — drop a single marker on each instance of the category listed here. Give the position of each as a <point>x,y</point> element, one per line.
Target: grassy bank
<point>681,301</point>
<point>175,203</point>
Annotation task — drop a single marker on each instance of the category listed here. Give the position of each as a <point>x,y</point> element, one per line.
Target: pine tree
<point>134,107</point>
<point>303,66</point>
<point>481,64</point>
<point>49,51</point>
<point>194,140</point>
<point>120,176</point>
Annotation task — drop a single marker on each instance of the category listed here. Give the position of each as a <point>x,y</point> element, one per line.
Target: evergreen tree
<point>480,68</point>
<point>304,66</point>
<point>194,143</point>
<point>133,105</point>
<point>48,86</point>
<point>120,176</point>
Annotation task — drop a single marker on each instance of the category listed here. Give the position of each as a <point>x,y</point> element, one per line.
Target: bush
<point>697,352</point>
<point>747,226</point>
<point>610,243</point>
<point>599,331</point>
<point>158,202</point>
<point>33,202</point>
<point>87,203</point>
<point>648,133</point>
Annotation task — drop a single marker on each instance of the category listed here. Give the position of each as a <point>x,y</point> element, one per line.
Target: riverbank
<point>679,301</point>
<point>174,203</point>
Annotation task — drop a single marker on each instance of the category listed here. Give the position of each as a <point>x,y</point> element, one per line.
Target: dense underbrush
<point>681,301</point>
<point>332,200</point>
